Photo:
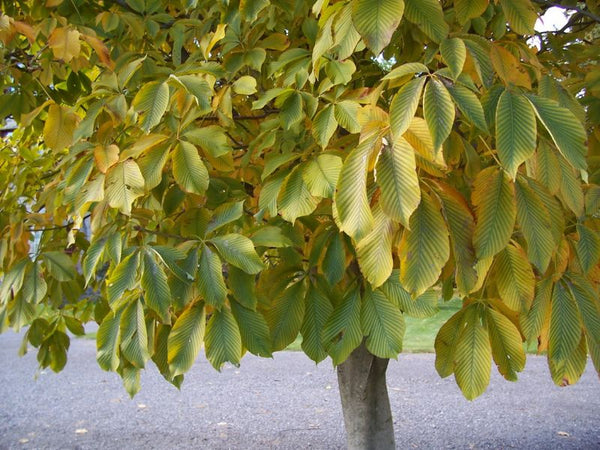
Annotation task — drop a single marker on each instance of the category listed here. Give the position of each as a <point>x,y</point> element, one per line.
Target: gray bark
<point>365,401</point>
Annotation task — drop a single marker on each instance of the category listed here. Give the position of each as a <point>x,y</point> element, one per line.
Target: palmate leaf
<point>351,199</point>
<point>239,251</point>
<point>134,336</point>
<point>254,330</point>
<point>438,110</point>
<point>461,225</point>
<point>188,169</point>
<point>342,332</point>
<point>495,206</point>
<point>565,325</point>
<point>185,339</point>
<point>445,344</point>
<point>425,305</point>
<point>424,248</point>
<point>286,314</point>
<point>107,341</point>
<point>157,294</point>
<point>534,220</point>
<point>473,358</point>
<point>318,310</point>
<point>567,132</point>
<point>224,214</point>
<point>507,348</point>
<point>152,100</point>
<point>223,339</point>
<point>376,21</point>
<point>515,131</point>
<point>397,177</point>
<point>429,17</point>
<point>382,324</point>
<point>404,106</point>
<point>514,278</point>
<point>374,251</point>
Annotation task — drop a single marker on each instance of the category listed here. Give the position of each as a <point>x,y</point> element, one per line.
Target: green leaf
<point>404,106</point>
<point>446,342</point>
<point>189,170</point>
<point>567,132</point>
<point>254,330</point>
<point>515,131</point>
<point>318,310</point>
<point>224,214</point>
<point>185,339</point>
<point>454,54</point>
<point>374,251</point>
<point>520,14</point>
<point>496,211</point>
<point>91,259</point>
<point>438,110</point>
<point>212,139</point>
<point>211,284</point>
<point>152,100</point>
<point>200,89</point>
<point>469,9</point>
<point>245,85</point>
<point>397,177</point>
<point>351,199</point>
<point>131,380</point>
<point>286,314</point>
<point>515,279</point>
<point>429,17</point>
<point>587,304</point>
<point>59,127</point>
<point>346,115</point>
<point>123,184</point>
<point>291,111</point>
<point>321,175</point>
<point>122,277</point>
<point>107,341</point>
<point>134,336</point>
<point>340,72</point>
<point>34,286</point>
<point>12,281</point>
<point>334,261</point>
<point>534,220</point>
<point>239,251</point>
<point>243,288</point>
<point>570,188</point>
<point>157,294</point>
<point>425,305</point>
<point>406,69</point>
<point>295,199</point>
<point>383,325</point>
<point>587,247</point>
<point>151,164</point>
<point>342,332</point>
<point>60,266</point>
<point>461,225</point>
<point>424,248</point>
<point>533,320</point>
<point>376,21</point>
<point>223,339</point>
<point>565,325</point>
<point>569,371</point>
<point>270,236</point>
<point>324,125</point>
<point>473,358</point>
<point>469,105</point>
<point>269,193</point>
<point>507,348</point>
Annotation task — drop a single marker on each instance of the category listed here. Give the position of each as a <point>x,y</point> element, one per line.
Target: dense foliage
<point>230,174</point>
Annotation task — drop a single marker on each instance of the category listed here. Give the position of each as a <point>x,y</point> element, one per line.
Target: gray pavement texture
<point>282,403</point>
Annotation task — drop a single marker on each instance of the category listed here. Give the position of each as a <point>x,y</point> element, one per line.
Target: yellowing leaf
<point>59,127</point>
<point>295,199</point>
<point>106,156</point>
<point>321,175</point>
<point>565,325</point>
<point>185,339</point>
<point>123,184</point>
<point>152,100</point>
<point>469,9</point>
<point>495,206</point>
<point>508,67</point>
<point>454,54</point>
<point>520,14</point>
<point>189,170</point>
<point>404,106</point>
<point>429,17</point>
<point>64,43</point>
<point>376,21</point>
<point>438,110</point>
<point>245,85</point>
<point>324,125</point>
<point>100,48</point>
<point>383,325</point>
<point>507,348</point>
<point>515,279</point>
<point>515,131</point>
<point>424,248</point>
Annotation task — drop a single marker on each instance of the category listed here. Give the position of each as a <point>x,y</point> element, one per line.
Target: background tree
<point>230,174</point>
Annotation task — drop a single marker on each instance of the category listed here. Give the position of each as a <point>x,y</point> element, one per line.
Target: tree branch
<point>582,11</point>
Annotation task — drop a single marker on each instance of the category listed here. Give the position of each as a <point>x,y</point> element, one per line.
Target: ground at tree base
<point>283,403</point>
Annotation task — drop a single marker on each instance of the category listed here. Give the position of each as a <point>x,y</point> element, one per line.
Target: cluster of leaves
<point>232,174</point>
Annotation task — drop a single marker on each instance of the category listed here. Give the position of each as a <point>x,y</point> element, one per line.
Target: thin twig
<point>582,11</point>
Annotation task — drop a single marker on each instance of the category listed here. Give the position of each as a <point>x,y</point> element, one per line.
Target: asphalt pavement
<point>282,403</point>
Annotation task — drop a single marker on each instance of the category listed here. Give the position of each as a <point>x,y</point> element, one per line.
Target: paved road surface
<point>281,403</point>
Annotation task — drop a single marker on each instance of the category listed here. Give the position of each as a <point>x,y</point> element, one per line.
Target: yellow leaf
<point>100,49</point>
<point>59,127</point>
<point>106,156</point>
<point>508,67</point>
<point>216,37</point>
<point>26,30</point>
<point>64,43</point>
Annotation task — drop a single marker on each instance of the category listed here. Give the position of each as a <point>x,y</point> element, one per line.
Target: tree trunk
<point>365,401</point>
